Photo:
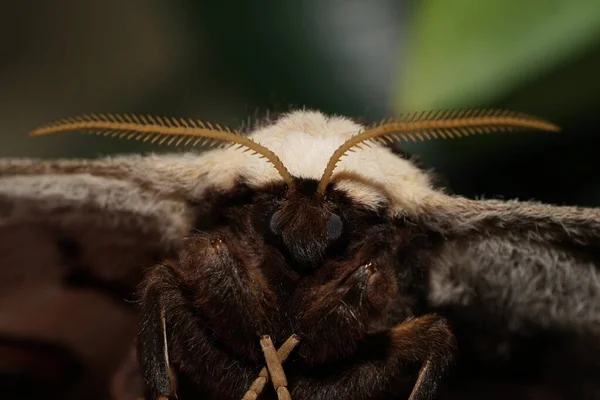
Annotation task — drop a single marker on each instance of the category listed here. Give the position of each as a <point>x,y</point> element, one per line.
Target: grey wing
<point>75,239</point>
<point>521,283</point>
<point>530,264</point>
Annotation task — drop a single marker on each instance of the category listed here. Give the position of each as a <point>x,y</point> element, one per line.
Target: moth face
<point>306,226</point>
<point>264,262</point>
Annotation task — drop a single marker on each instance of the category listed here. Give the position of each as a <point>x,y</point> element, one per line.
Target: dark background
<point>228,60</point>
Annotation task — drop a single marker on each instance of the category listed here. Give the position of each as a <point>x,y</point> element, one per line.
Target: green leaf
<point>466,53</point>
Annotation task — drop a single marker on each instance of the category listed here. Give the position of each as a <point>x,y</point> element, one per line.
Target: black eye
<point>273,224</point>
<point>335,226</point>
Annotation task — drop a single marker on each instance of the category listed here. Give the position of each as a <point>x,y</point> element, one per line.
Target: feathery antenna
<point>435,124</point>
<point>160,130</point>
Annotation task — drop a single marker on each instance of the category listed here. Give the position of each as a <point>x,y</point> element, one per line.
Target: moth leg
<point>263,376</point>
<point>165,287</point>
<point>275,368</point>
<point>427,339</point>
<point>153,351</point>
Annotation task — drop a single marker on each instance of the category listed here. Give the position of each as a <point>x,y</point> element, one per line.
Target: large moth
<point>308,259</point>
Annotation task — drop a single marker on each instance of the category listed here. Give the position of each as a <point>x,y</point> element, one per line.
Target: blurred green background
<point>226,61</point>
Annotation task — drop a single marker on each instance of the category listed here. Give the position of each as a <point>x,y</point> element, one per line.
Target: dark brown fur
<point>363,316</point>
<point>230,286</point>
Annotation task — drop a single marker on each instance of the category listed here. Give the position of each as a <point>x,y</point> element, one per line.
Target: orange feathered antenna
<point>163,131</point>
<point>435,124</point>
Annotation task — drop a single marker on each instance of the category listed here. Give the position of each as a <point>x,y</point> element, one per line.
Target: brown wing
<point>75,239</point>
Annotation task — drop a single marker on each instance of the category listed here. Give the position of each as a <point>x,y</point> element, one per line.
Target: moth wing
<point>541,262</point>
<point>75,239</point>
<point>522,282</point>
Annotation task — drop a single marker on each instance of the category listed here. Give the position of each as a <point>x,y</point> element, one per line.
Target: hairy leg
<point>153,351</point>
<point>429,340</point>
<point>172,332</point>
<point>426,340</point>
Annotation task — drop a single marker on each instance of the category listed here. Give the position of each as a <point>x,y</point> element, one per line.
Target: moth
<point>309,259</point>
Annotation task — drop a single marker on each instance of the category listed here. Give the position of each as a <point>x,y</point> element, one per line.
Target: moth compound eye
<point>335,226</point>
<point>273,224</point>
